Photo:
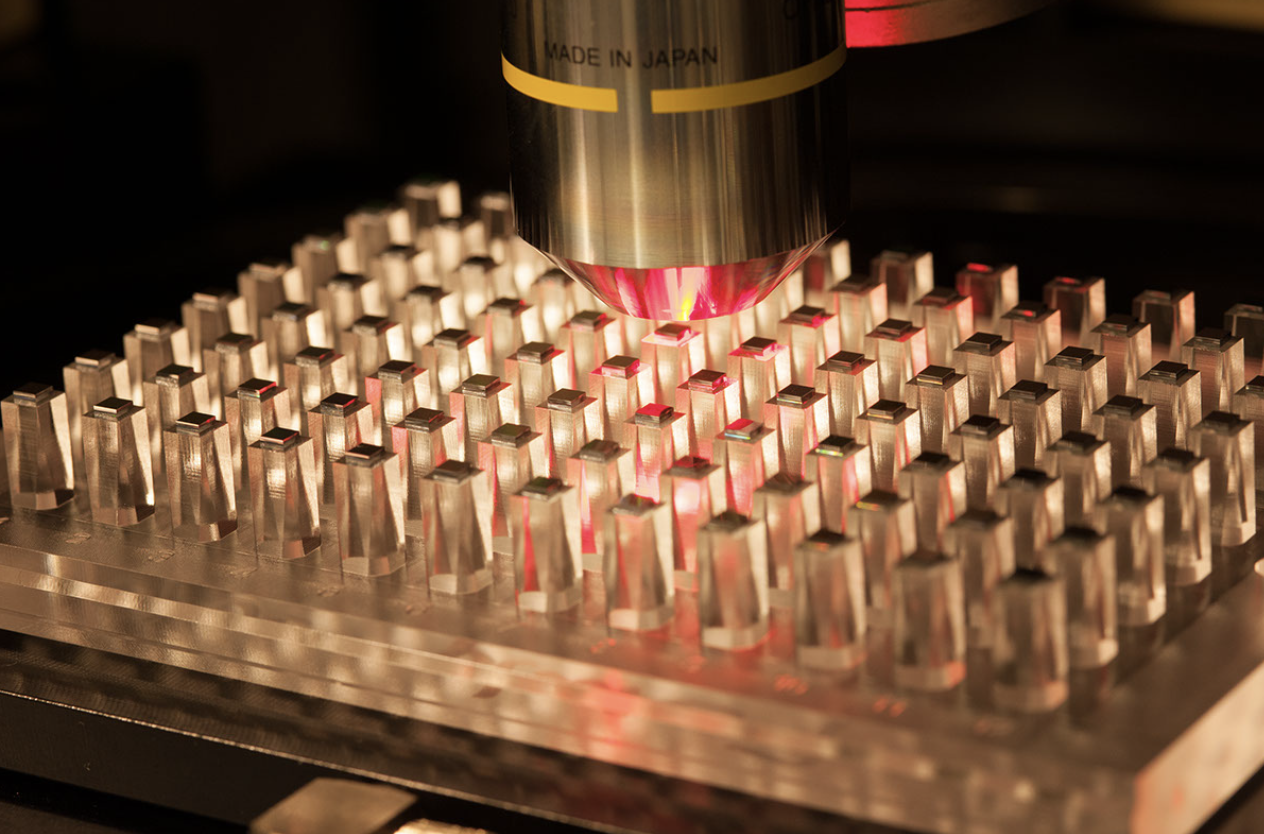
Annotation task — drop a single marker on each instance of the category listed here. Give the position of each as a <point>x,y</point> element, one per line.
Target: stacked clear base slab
<point>889,684</point>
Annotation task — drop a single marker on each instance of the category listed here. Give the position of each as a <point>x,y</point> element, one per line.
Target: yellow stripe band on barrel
<point>600,99</point>
<point>715,97</point>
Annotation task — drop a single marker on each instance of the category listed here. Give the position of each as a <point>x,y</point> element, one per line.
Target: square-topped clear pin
<point>456,521</point>
<point>119,474</point>
<point>621,385</point>
<point>829,602</point>
<point>548,568</point>
<point>709,401</point>
<point>1035,501</point>
<point>930,622</point>
<point>1082,302</point>
<point>315,373</point>
<point>592,337</point>
<point>315,259</point>
<point>654,434</point>
<point>1247,321</point>
<point>1029,650</point>
<point>425,312</point>
<point>1130,427</point>
<point>908,273</point>
<point>640,589</point>
<point>790,508</point>
<point>888,535</point>
<point>948,318</point>
<point>842,470</point>
<point>673,351</point>
<point>859,303</point>
<point>554,293</point>
<point>1036,332</point>
<point>400,267</point>
<point>695,489</point>
<point>345,298</point>
<point>811,335</point>
<point>1228,442</point>
<point>236,358</point>
<point>1125,342</point>
<point>256,407</point>
<point>762,368</point>
<point>849,382</point>
<point>289,329</point>
<point>535,370</point>
<point>823,268</point>
<point>986,445</point>
<point>371,342</point>
<point>422,440</point>
<point>602,472</point>
<point>1175,391</point>
<point>1085,560</point>
<point>936,484</point>
<point>151,346</point>
<point>1183,479</point>
<point>748,452</point>
<point>427,202</point>
<point>508,324</point>
<point>732,582</point>
<point>478,407</point>
<point>724,334</point>
<point>479,281</point>
<point>1171,319</point>
<point>942,400</point>
<point>95,375</point>
<point>171,393</point>
<point>1134,518</point>
<point>1080,375</point>
<point>369,496</point>
<point>1082,462</point>
<point>209,314</point>
<point>568,419</point>
<point>511,455</point>
<point>899,348</point>
<point>284,498</point>
<point>893,433</point>
<point>368,229</point>
<point>1248,403</point>
<point>992,290</point>
<point>988,363</point>
<point>1035,411</point>
<point>262,286</point>
<point>983,542</point>
<point>452,357</point>
<point>1218,356</point>
<point>200,483</point>
<point>800,417</point>
<point>395,390</point>
<point>338,423</point>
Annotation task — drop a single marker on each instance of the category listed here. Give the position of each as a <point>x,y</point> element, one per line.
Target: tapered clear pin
<point>284,497</point>
<point>987,362</point>
<point>723,334</point>
<point>674,351</point>
<point>732,582</point>
<point>262,286</point>
<point>372,342</point>
<point>452,357</point>
<point>592,337</point>
<point>893,433</point>
<point>338,423</point>
<point>824,268</point>
<point>1125,342</point>
<point>396,389</point>
<point>1248,403</point>
<point>942,400</point>
<point>849,382</point>
<point>479,406</point>
<point>860,305</point>
<point>315,373</point>
<point>1085,561</point>
<point>1036,332</point>
<point>1080,375</point>
<point>762,368</point>
<point>1228,442</point>
<point>511,455</point>
<point>1082,302</point>
<point>602,471</point>
<point>1082,462</point>
<point>936,484</point>
<point>455,501</point>
<point>709,400</point>
<point>842,470</point>
<point>209,314</point>
<point>535,370</point>
<point>899,348</point>
<point>316,262</point>
<point>748,452</point>
<point>1130,427</point>
<point>368,229</point>
<point>983,542</point>
<point>930,627</point>
<point>345,298</point>
<point>424,313</point>
<point>200,482</point>
<point>888,534</point>
<point>695,489</point>
<point>568,419</point>
<point>640,591</point>
<point>790,507</point>
<point>909,274</point>
<point>1247,321</point>
<point>554,294</point>
<point>236,358</point>
<point>400,268</point>
<point>95,375</point>
<point>986,445</point>
<point>1035,501</point>
<point>993,292</point>
<point>800,417</point>
<point>548,569</point>
<point>508,324</point>
<point>1134,518</point>
<point>621,386</point>
<point>1176,393</point>
<point>173,392</point>
<point>422,440</point>
<point>1219,358</point>
<point>1029,651</point>
<point>1171,319</point>
<point>948,318</point>
<point>654,434</point>
<point>812,336</point>
<point>427,203</point>
<point>151,346</point>
<point>1183,479</point>
<point>120,473</point>
<point>1035,411</point>
<point>479,281</point>
<point>256,407</point>
<point>291,328</point>
<point>829,602</point>
<point>369,497</point>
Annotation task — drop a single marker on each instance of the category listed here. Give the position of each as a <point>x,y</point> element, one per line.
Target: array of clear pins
<point>925,484</point>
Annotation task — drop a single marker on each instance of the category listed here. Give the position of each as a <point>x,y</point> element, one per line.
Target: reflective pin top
<point>480,384</point>
<point>454,338</point>
<point>508,306</point>
<point>980,425</point>
<point>257,387</point>
<point>96,358</point>
<point>1030,391</point>
<point>845,361</point>
<point>589,320</point>
<point>240,341</point>
<point>428,292</point>
<point>370,325</point>
<point>1122,406</point>
<point>654,414</point>
<point>941,297</point>
<point>936,375</point>
<point>672,333</point>
<point>808,316</point>
<point>113,406</point>
<point>213,297</point>
<point>599,451</point>
<point>155,328</point>
<point>513,435</point>
<point>1224,422</point>
<point>1079,442</point>
<point>453,471</point>
<point>289,311</point>
<point>758,347</point>
<point>426,419</point>
<point>706,381</point>
<point>897,329</point>
<point>1256,386</point>
<point>1176,460</point>
<point>1212,338</point>
<point>1119,324</point>
<point>397,368</point>
<point>728,522</point>
<point>195,422</point>
<point>1075,357</point>
<point>280,436</point>
<point>315,356</point>
<point>633,505</point>
<point>1028,310</point>
<point>838,446</point>
<point>566,399</point>
<point>889,411</point>
<point>1030,479</point>
<point>933,461</point>
<point>365,454</point>
<point>743,429</point>
<point>179,374</point>
<point>785,484</point>
<point>796,395</point>
<point>34,392</point>
<point>1170,371</point>
<point>984,344</point>
<point>535,352</point>
<point>691,467</point>
<point>347,281</point>
<point>620,366</point>
<point>338,402</point>
<point>543,487</point>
